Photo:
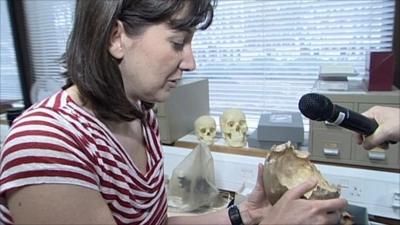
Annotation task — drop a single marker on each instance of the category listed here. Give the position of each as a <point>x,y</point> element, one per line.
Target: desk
<point>375,190</point>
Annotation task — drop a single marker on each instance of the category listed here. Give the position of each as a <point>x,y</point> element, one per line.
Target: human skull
<point>286,168</point>
<point>234,127</point>
<point>205,128</point>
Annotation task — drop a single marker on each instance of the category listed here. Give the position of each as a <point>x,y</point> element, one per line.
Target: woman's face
<point>153,62</point>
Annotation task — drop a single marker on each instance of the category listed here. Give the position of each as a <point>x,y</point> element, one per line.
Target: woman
<point>91,153</point>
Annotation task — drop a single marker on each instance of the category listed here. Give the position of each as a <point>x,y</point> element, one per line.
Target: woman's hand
<point>291,207</point>
<point>253,209</point>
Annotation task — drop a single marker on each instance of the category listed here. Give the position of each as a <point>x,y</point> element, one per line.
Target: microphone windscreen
<point>316,107</point>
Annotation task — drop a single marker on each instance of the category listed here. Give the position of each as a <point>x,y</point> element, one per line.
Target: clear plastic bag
<point>192,184</point>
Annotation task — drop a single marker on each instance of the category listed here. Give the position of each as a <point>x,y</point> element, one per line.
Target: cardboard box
<point>281,127</point>
<point>253,142</point>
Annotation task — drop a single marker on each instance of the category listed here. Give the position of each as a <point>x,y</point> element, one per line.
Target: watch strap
<point>234,215</point>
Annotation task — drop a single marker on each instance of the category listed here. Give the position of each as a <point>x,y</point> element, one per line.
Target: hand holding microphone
<point>388,119</point>
<point>320,108</point>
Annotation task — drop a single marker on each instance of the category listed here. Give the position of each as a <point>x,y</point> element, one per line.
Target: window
<point>259,56</point>
<point>48,25</point>
<point>262,56</point>
<point>10,87</point>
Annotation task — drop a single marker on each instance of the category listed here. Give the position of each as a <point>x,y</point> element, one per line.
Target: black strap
<point>234,215</point>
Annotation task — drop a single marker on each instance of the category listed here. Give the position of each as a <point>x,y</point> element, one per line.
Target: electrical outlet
<point>350,188</point>
<point>355,193</point>
<point>396,200</point>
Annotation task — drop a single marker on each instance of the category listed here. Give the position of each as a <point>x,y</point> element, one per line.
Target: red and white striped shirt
<point>57,142</point>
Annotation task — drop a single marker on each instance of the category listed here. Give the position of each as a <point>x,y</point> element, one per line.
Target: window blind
<point>48,25</point>
<point>262,56</point>
<point>10,87</point>
<point>259,56</point>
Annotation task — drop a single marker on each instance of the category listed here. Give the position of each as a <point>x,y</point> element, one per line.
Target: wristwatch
<point>234,215</point>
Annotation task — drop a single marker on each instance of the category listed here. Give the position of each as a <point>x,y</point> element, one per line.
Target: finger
<point>374,140</point>
<point>260,175</point>
<point>370,113</point>
<point>299,191</point>
<point>331,205</point>
<point>368,145</point>
<point>359,139</point>
<point>384,145</point>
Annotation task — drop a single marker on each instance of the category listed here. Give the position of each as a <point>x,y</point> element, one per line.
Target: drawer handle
<point>376,155</point>
<point>331,151</point>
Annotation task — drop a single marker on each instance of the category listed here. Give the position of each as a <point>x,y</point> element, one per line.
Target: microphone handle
<point>353,121</point>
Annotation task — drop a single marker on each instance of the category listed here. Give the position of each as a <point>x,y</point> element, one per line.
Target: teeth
<point>236,137</point>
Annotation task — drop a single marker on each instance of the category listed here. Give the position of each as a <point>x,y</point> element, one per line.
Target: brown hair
<point>95,71</point>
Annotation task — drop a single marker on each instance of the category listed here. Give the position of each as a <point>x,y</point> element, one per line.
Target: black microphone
<point>320,108</point>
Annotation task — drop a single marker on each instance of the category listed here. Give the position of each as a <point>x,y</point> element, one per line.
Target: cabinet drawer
<point>389,158</point>
<point>334,145</point>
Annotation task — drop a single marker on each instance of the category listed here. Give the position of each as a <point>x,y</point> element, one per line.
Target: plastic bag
<point>192,184</point>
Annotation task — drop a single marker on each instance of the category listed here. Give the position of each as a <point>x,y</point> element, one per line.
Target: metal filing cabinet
<point>337,145</point>
<point>186,103</point>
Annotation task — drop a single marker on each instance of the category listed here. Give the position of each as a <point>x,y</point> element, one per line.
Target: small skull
<point>205,128</point>
<point>234,127</point>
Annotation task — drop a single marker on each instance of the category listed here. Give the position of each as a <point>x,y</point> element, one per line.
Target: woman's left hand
<point>253,208</point>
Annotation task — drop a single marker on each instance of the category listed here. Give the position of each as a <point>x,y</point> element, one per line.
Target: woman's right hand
<point>293,209</point>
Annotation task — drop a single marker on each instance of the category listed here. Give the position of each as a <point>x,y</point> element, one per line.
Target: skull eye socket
<point>231,123</point>
<point>203,130</point>
<point>242,122</point>
<point>212,129</point>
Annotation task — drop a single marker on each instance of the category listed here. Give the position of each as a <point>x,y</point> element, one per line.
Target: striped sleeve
<point>5,217</point>
<point>41,148</point>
